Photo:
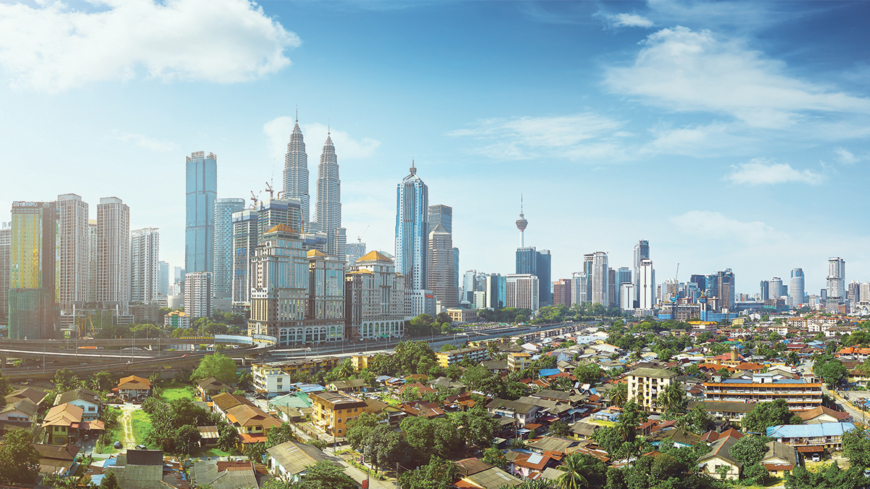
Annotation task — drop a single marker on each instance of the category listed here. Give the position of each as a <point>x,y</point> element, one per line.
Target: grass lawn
<point>176,390</point>
<point>113,435</point>
<point>211,452</point>
<point>141,426</point>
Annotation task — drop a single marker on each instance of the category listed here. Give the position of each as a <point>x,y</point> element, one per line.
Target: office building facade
<point>521,291</point>
<point>72,240</point>
<point>223,245</point>
<point>562,292</point>
<point>641,252</point>
<point>145,266</point>
<point>329,201</point>
<point>442,281</point>
<point>245,238</point>
<point>600,279</point>
<point>201,193</point>
<point>496,291</point>
<point>354,251</point>
<point>836,279</point>
<point>375,305</point>
<point>198,294</point>
<point>412,231</point>
<point>726,289</point>
<point>443,215</point>
<point>163,278</point>
<point>775,288</point>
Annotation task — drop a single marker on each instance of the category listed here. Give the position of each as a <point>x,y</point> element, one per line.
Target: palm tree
<point>577,471</point>
<point>619,395</point>
<point>672,397</point>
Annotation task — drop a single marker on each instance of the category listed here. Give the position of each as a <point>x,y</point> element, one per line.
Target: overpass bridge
<point>125,342</point>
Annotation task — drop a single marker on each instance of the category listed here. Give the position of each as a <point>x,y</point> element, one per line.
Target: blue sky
<point>728,134</point>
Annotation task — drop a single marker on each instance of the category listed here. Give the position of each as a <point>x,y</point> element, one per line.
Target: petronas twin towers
<point>328,206</point>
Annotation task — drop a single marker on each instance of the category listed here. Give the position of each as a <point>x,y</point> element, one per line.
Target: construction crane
<point>269,189</point>
<point>255,199</point>
<point>359,238</point>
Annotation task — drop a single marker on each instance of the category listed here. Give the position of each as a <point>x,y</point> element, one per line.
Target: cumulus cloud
<point>52,47</point>
<point>145,142</point>
<point>685,70</point>
<point>760,171</point>
<point>847,157</point>
<point>525,137</point>
<point>346,147</point>
<point>627,20</point>
<point>713,225</point>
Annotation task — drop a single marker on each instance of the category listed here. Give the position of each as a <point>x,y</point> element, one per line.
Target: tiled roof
<point>63,415</point>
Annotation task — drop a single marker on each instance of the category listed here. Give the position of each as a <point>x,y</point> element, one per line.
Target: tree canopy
<point>219,366</point>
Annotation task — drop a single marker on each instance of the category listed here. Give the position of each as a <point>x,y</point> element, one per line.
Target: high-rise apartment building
<point>775,288</point>
<point>296,296</point>
<point>296,176</point>
<point>578,288</point>
<point>5,252</point>
<point>853,293</point>
<point>627,296</point>
<point>33,274</point>
<point>163,278</point>
<point>600,279</point>
<point>612,288</point>
<point>245,238</point>
<point>201,195</point>
<point>441,274</point>
<point>796,288</point>
<point>623,276</point>
<point>412,239</point>
<point>647,284</point>
<point>355,251</point>
<point>836,279</point>
<point>443,215</point>
<point>521,291</point>
<point>329,201</point>
<point>145,266</point>
<point>641,252</point>
<point>562,292</point>
<point>92,260</point>
<point>113,255</point>
<point>375,305</point>
<point>544,266</point>
<point>865,292</point>
<point>223,245</point>
<point>72,239</point>
<point>197,294</point>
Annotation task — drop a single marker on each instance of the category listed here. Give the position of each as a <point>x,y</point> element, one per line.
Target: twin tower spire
<point>327,215</point>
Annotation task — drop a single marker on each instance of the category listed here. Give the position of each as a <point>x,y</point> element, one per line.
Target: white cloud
<point>714,226</point>
<point>685,70</point>
<point>526,137</point>
<point>53,47</point>
<point>847,157</point>
<point>628,20</point>
<point>146,142</point>
<point>278,130</point>
<point>760,171</point>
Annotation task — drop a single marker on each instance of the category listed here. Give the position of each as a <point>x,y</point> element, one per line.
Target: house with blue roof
<point>809,438</point>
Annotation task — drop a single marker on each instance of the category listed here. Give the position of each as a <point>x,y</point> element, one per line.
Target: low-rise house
<point>811,438</point>
<point>251,422</point>
<point>551,444</point>
<point>474,473</point>
<point>57,459</point>
<point>61,424</point>
<point>21,411</point>
<point>210,387</point>
<point>724,410</point>
<point>720,456</point>
<point>33,395</point>
<point>523,413</point>
<point>289,460</point>
<point>334,410</point>
<point>779,458</point>
<point>518,361</point>
<point>349,386</point>
<point>223,402</point>
<point>447,383</point>
<point>292,407</point>
<point>139,469</point>
<point>822,414</point>
<point>532,465</point>
<point>225,475</point>
<point>451,357</point>
<point>134,387</point>
<point>89,401</point>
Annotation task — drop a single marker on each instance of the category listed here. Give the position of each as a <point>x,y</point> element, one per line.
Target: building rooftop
<point>659,373</point>
<point>809,430</point>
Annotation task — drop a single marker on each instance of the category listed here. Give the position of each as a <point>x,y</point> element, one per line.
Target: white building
<point>113,255</point>
<point>375,295</point>
<point>72,240</point>
<point>627,296</point>
<point>145,266</point>
<point>600,279</point>
<point>522,291</point>
<point>836,279</point>
<point>480,300</point>
<point>197,294</point>
<point>647,285</point>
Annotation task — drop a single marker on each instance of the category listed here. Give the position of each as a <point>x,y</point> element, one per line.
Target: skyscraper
<point>443,215</point>
<point>197,294</point>
<point>441,274</point>
<point>775,288</point>
<point>5,250</point>
<point>355,251</point>
<point>163,278</point>
<point>641,252</point>
<point>853,293</point>
<point>33,272</point>
<point>245,238</point>
<point>72,238</point>
<point>764,293</point>
<point>600,279</point>
<point>201,195</point>
<point>223,245</point>
<point>145,266</point>
<point>647,276</point>
<point>521,291</point>
<point>296,174</point>
<point>495,287</point>
<point>727,290</point>
<point>272,212</point>
<point>562,292</point>
<point>92,260</point>
<point>113,254</point>
<point>456,271</point>
<point>544,264</point>
<point>375,304</point>
<point>836,279</point>
<point>527,260</point>
<point>329,199</point>
<point>412,230</point>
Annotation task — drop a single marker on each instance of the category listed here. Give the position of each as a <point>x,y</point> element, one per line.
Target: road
<point>857,415</point>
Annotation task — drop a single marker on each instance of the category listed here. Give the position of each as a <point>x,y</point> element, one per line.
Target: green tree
<point>756,473</point>
<point>219,366</point>
<point>495,457</point>
<point>279,435</point>
<point>187,438</point>
<point>696,420</point>
<point>856,447</point>
<point>228,438</point>
<point>619,394</point>
<point>326,475</point>
<point>560,428</point>
<point>65,380</point>
<point>476,426</point>
<point>19,461</point>
<point>255,452</point>
<point>767,414</point>
<point>832,372</point>
<point>749,450</point>
<point>588,373</point>
<point>438,473</point>
<point>673,399</point>
<point>110,481</point>
<point>581,471</point>
<point>693,370</point>
<point>431,437</point>
<point>102,381</point>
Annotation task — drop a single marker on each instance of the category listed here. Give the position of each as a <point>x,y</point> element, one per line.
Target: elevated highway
<point>121,342</point>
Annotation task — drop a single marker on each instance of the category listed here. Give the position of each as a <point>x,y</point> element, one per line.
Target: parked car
<point>118,445</point>
<point>816,457</point>
<point>141,447</point>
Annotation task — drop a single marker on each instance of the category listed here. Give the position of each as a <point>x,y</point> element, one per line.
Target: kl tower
<point>522,223</point>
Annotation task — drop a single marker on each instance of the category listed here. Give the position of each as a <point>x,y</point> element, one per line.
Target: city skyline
<point>808,149</point>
